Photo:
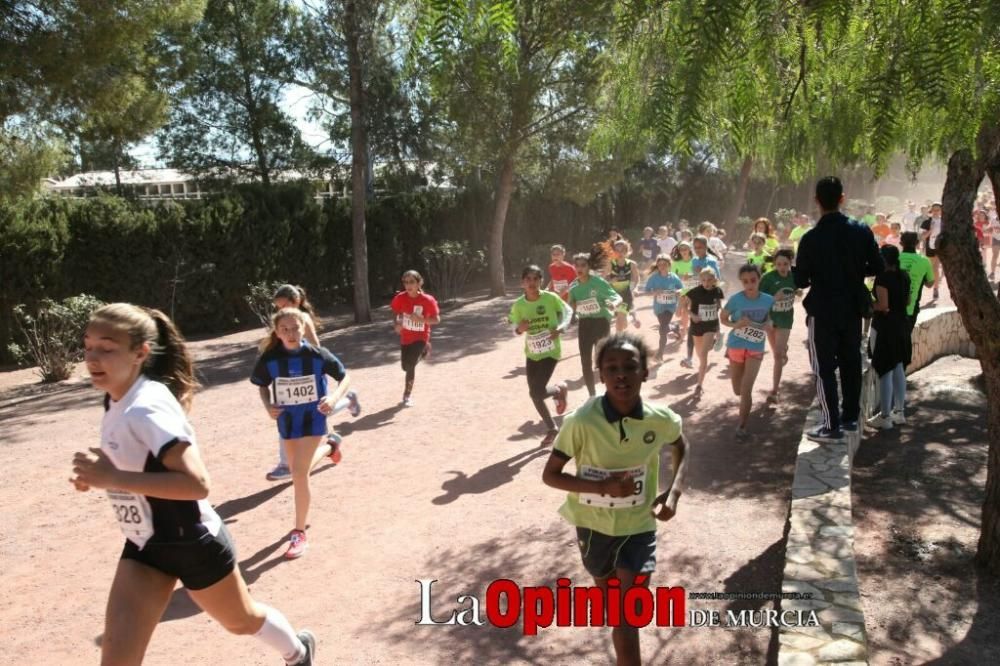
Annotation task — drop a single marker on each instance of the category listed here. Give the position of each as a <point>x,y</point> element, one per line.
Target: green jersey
<point>542,315</point>
<point>919,269</point>
<point>601,441</point>
<point>590,298</point>
<point>797,233</point>
<point>783,290</point>
<point>685,271</point>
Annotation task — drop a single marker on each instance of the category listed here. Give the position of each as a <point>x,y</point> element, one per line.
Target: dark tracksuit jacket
<point>833,260</point>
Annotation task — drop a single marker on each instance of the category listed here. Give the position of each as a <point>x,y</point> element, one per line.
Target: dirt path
<point>449,489</point>
<point>918,495</point>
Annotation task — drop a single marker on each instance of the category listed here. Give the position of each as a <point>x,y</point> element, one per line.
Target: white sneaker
<point>880,422</point>
<point>898,417</point>
<point>687,363</point>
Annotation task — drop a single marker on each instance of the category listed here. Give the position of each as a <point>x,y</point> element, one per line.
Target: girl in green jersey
<point>542,317</point>
<point>595,302</point>
<point>780,284</point>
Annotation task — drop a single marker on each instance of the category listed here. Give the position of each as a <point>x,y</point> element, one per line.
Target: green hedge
<point>197,257</point>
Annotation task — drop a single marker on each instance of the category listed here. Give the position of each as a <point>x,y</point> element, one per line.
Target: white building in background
<point>163,184</point>
<point>155,184</point>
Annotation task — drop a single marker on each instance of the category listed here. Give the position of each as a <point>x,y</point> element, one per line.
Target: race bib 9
<point>588,306</point>
<point>708,312</point>
<point>540,343</point>
<point>666,297</point>
<point>638,498</point>
<point>295,390</point>
<point>135,518</point>
<point>751,334</point>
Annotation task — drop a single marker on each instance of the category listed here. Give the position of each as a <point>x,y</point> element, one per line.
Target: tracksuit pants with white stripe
<point>836,345</point>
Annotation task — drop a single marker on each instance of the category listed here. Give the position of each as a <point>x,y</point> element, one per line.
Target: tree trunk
<point>741,193</point>
<point>504,192</point>
<point>359,165</point>
<point>980,312</point>
<point>116,149</point>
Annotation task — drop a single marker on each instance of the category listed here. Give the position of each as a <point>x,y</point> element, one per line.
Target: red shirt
<point>980,228</point>
<point>562,275</point>
<point>423,305</point>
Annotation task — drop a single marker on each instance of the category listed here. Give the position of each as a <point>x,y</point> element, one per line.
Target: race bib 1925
<point>540,343</point>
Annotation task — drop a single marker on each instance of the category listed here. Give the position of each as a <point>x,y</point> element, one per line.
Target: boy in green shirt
<point>542,316</point>
<point>920,270</point>
<point>615,442</point>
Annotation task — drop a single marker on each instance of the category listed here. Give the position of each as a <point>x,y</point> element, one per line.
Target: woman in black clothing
<point>890,349</point>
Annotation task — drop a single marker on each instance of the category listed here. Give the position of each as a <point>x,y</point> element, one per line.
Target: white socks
<point>278,634</point>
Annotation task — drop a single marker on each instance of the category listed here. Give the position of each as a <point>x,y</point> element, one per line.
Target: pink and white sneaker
<point>297,545</point>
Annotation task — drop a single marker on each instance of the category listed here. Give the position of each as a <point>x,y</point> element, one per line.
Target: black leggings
<point>664,318</point>
<point>410,355</point>
<point>539,374</point>
<point>592,331</point>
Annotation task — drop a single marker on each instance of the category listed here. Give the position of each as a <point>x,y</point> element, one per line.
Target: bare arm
<point>187,478</point>
<point>679,460</point>
<point>616,485</point>
<point>881,299</point>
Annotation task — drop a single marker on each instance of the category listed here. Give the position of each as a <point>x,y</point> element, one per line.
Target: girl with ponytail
<point>150,466</point>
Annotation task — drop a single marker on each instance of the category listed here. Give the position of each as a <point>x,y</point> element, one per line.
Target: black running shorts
<point>198,564</point>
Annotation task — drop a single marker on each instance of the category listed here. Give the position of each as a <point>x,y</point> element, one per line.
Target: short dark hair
<point>749,268</point>
<point>786,252</point>
<point>909,240</point>
<point>828,192</point>
<point>531,269</point>
<point>620,341</point>
<point>890,255</point>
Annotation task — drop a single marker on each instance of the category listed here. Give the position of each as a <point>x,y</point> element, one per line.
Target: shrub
<point>449,266</point>
<point>259,300</point>
<point>54,335</point>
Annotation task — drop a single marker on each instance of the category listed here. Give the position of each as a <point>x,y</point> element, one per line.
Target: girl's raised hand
<point>93,470</point>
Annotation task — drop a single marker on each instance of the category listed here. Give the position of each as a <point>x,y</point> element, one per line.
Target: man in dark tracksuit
<point>833,259</point>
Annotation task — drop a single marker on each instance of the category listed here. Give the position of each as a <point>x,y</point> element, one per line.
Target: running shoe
<point>880,422</point>
<point>824,434</point>
<point>741,434</point>
<point>309,642</point>
<point>849,426</point>
<point>279,473</point>
<point>297,545</point>
<point>898,417</point>
<point>687,363</point>
<point>353,406</point>
<point>550,437</point>
<point>772,398</point>
<point>561,399</point>
<point>407,401</point>
<point>334,440</point>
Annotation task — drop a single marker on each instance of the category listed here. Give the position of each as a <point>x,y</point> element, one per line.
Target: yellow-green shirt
<point>601,441</point>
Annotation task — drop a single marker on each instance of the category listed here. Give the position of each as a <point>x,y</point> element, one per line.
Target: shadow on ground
<point>918,492</point>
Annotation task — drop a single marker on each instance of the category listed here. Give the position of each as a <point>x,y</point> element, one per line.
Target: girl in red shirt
<point>415,313</point>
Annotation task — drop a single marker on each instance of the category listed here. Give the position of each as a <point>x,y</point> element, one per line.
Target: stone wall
<point>819,553</point>
<point>939,332</point>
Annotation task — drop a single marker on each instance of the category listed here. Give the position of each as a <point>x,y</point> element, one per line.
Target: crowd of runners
<point>149,462</point>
